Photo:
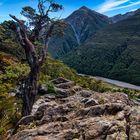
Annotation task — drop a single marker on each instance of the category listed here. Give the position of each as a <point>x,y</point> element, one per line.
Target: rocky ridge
<point>73,113</point>
<point>121,17</point>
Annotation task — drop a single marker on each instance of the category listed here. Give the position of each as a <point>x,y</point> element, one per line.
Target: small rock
<point>91,102</point>
<point>117,136</point>
<point>85,93</point>
<point>66,85</point>
<point>120,115</point>
<point>43,90</point>
<point>77,88</point>
<point>59,80</point>
<point>62,93</point>
<point>84,100</point>
<point>50,96</point>
<point>26,120</point>
<point>62,119</point>
<point>137,101</point>
<point>106,109</point>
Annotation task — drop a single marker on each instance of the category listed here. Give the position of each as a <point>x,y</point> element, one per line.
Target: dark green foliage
<point>50,88</point>
<point>54,68</point>
<point>60,45</point>
<point>37,18</point>
<point>113,52</point>
<point>10,73</point>
<point>8,40</point>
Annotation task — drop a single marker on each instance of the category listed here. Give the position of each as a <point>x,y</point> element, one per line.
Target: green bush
<point>10,73</point>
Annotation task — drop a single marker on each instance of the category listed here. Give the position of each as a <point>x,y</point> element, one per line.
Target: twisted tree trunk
<point>29,86</point>
<point>29,90</point>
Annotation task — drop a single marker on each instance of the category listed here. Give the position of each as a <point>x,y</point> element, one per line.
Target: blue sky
<point>107,7</point>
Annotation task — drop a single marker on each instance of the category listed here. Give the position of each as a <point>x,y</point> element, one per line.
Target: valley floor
<point>118,83</point>
<point>115,82</point>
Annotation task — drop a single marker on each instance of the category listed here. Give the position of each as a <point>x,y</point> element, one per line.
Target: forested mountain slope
<point>80,25</point>
<point>113,52</point>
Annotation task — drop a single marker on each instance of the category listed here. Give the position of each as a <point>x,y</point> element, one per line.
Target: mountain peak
<point>84,8</point>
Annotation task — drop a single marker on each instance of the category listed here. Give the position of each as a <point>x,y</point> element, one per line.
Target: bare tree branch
<point>46,41</point>
<point>25,42</point>
<point>43,28</point>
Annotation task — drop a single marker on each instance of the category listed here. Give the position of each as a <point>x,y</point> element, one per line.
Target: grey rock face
<point>43,90</point>
<point>81,115</point>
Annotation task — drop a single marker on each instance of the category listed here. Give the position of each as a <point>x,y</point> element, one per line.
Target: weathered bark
<point>29,87</point>
<point>29,90</point>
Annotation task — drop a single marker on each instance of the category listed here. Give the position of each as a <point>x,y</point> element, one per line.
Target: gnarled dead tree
<point>39,28</point>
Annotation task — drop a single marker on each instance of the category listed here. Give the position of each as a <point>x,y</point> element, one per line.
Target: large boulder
<point>59,80</point>
<point>63,83</point>
<point>42,90</point>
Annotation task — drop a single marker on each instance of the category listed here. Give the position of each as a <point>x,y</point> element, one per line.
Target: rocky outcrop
<point>80,115</point>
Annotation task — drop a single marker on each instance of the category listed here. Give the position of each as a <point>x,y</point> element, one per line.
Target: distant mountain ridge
<point>80,25</point>
<point>94,44</point>
<point>121,17</point>
<point>85,22</point>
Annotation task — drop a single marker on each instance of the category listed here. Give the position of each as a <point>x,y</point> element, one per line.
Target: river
<point>115,82</point>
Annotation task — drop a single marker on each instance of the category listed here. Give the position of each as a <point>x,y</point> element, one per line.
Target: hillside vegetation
<point>13,68</point>
<point>113,52</point>
<point>80,25</point>
<point>94,57</point>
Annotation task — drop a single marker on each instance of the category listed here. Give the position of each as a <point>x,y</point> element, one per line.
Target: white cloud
<point>111,5</point>
<point>126,6</point>
<point>133,10</point>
